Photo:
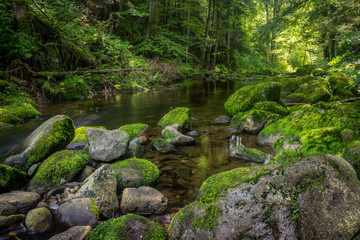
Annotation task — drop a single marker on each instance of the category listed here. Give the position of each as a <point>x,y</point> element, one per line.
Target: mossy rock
<point>53,135</point>
<point>313,91</point>
<point>352,156</point>
<point>80,138</point>
<point>245,98</point>
<point>65,164</point>
<point>319,72</point>
<point>285,157</point>
<point>134,130</point>
<point>130,226</point>
<point>179,115</point>
<point>343,90</point>
<point>290,85</point>
<point>135,172</point>
<point>10,178</point>
<point>307,117</point>
<point>17,112</point>
<point>160,144</point>
<point>336,78</point>
<point>305,70</point>
<point>250,154</point>
<point>285,143</point>
<point>272,107</point>
<point>329,140</point>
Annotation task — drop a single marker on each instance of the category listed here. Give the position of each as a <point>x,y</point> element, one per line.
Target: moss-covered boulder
<point>305,70</point>
<point>80,139</point>
<point>336,78</point>
<point>312,91</point>
<point>134,172</point>
<point>352,155</point>
<point>272,107</point>
<point>66,164</point>
<point>253,121</point>
<point>134,130</point>
<point>179,115</point>
<point>17,112</point>
<point>291,201</point>
<point>285,143</point>
<point>343,91</point>
<point>245,98</point>
<point>306,117</point>
<point>291,84</point>
<point>285,157</point>
<point>161,145</point>
<point>130,226</point>
<point>10,178</point>
<point>319,72</point>
<point>250,154</point>
<point>51,136</point>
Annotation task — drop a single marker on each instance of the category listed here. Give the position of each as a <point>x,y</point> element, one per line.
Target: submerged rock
<point>318,197</point>
<point>245,98</point>
<point>76,233</point>
<point>179,115</point>
<point>223,119</point>
<point>38,220</point>
<point>250,154</point>
<point>9,221</point>
<point>101,185</point>
<point>161,145</point>
<point>143,200</point>
<point>177,138</point>
<point>105,145</point>
<point>51,136</point>
<point>10,178</point>
<point>65,164</point>
<point>130,226</point>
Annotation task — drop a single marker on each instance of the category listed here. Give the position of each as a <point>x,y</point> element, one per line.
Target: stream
<point>181,172</point>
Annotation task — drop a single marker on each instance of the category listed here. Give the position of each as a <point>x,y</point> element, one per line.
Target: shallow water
<point>181,172</point>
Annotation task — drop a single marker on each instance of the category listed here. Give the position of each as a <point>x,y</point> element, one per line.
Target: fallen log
<point>94,71</point>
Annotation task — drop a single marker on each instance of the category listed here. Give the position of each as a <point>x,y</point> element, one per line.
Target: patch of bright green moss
<point>312,91</point>
<point>80,134</point>
<point>134,130</point>
<point>260,117</point>
<point>168,135</point>
<point>208,221</point>
<point>343,90</point>
<point>285,157</point>
<point>251,154</point>
<point>118,229</point>
<point>94,208</point>
<point>65,164</point>
<point>328,140</point>
<point>160,143</point>
<point>245,98</point>
<point>272,107</point>
<point>149,171</point>
<point>179,115</point>
<point>278,146</point>
<point>58,138</point>
<point>336,78</point>
<point>11,175</point>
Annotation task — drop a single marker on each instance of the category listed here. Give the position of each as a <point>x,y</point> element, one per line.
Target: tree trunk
<point>152,17</point>
<point>217,37</point>
<point>188,29</point>
<point>267,33</point>
<point>206,32</point>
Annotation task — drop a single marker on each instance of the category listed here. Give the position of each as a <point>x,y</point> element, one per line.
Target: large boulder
<point>249,154</point>
<point>134,130</point>
<point>312,92</point>
<point>179,115</point>
<point>22,201</point>
<point>51,136</point>
<point>105,145</point>
<point>352,155</point>
<point>38,220</point>
<point>317,197</point>
<point>78,212</point>
<point>10,178</point>
<point>272,107</point>
<point>76,232</point>
<point>143,200</point>
<point>101,185</point>
<point>130,227</point>
<point>245,98</point>
<point>134,172</point>
<point>176,138</point>
<point>80,140</point>
<point>65,164</point>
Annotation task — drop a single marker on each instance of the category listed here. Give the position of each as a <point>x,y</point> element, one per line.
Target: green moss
<point>336,78</point>
<point>328,140</point>
<point>352,155</point>
<point>248,153</point>
<point>160,143</point>
<point>11,175</point>
<point>134,130</point>
<point>149,171</point>
<point>208,221</point>
<point>312,91</point>
<point>58,138</point>
<point>168,135</point>
<point>179,115</point>
<point>343,90</point>
<point>290,85</point>
<point>278,146</point>
<point>94,208</point>
<point>65,164</point>
<point>272,107</point>
<point>286,157</point>
<point>260,117</point>
<point>319,72</point>
<point>245,98</point>
<point>118,229</point>
<point>305,70</point>
<point>80,134</point>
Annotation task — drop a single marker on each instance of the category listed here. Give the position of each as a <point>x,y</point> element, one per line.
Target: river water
<point>181,172</point>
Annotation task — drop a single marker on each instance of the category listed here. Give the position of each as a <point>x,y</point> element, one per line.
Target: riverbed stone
<point>179,115</point>
<point>51,136</point>
<point>134,130</point>
<point>38,220</point>
<point>250,154</point>
<point>85,173</point>
<point>161,145</point>
<point>253,121</point>
<point>312,92</point>
<point>135,148</point>
<point>130,226</point>
<point>75,233</point>
<point>10,178</point>
<point>9,221</point>
<point>134,172</point>
<point>177,138</point>
<point>78,212</point>
<point>245,98</point>
<point>106,145</point>
<point>80,139</point>
<point>318,196</point>
<point>101,185</point>
<point>223,119</point>
<point>22,201</point>
<point>65,164</point>
<point>6,209</point>
<point>143,199</point>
